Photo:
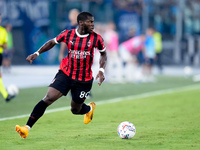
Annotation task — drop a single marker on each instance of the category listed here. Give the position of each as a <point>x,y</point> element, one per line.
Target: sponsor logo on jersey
<point>78,54</point>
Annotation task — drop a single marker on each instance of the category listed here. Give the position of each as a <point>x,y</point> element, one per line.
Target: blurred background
<point>36,21</point>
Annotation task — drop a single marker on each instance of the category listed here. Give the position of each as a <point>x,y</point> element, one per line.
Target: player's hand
<point>31,57</point>
<point>101,77</point>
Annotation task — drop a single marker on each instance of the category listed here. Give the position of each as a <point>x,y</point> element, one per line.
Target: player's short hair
<point>83,16</point>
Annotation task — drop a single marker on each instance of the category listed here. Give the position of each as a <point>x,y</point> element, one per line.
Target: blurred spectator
<point>73,19</point>
<point>3,44</point>
<point>158,48</point>
<point>191,17</point>
<point>131,33</point>
<point>112,42</point>
<point>129,5</point>
<point>128,51</point>
<point>73,24</point>
<point>8,52</point>
<point>162,14</point>
<point>149,54</point>
<point>128,18</point>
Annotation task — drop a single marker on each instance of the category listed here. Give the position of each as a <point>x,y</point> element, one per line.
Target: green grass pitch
<point>164,121</point>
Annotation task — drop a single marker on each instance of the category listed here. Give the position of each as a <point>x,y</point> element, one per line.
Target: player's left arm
<point>47,46</point>
<point>102,61</point>
<point>102,64</point>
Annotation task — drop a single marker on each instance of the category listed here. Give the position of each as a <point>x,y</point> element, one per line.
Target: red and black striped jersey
<point>77,65</point>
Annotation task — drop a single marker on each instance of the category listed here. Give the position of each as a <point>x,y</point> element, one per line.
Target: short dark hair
<point>83,16</point>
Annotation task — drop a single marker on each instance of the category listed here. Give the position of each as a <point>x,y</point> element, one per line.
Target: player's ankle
<point>28,127</point>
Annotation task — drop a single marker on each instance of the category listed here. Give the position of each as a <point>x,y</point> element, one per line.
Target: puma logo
<point>72,42</point>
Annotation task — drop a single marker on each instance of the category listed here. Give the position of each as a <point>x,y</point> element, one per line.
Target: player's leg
<point>2,88</point>
<point>3,91</point>
<point>55,91</point>
<point>80,92</point>
<point>51,96</point>
<point>39,109</point>
<point>57,88</point>
<point>79,109</point>
<point>159,62</point>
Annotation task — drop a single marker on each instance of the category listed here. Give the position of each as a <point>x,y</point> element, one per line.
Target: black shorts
<point>79,89</point>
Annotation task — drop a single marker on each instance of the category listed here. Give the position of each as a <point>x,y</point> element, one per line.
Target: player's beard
<point>86,29</point>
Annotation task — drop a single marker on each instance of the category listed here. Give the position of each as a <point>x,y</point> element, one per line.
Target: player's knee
<point>48,99</point>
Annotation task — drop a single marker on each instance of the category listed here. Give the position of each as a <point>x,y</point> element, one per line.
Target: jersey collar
<point>85,35</point>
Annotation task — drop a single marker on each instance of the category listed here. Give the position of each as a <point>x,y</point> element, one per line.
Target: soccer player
<point>150,54</point>
<point>8,52</point>
<point>3,44</point>
<point>75,72</point>
<point>158,48</point>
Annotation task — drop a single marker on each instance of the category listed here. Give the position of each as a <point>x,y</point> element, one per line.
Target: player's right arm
<point>47,46</point>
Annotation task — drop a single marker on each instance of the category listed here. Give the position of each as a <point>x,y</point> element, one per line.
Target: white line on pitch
<point>114,100</point>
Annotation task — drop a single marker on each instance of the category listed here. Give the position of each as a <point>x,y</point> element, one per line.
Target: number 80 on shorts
<point>84,94</point>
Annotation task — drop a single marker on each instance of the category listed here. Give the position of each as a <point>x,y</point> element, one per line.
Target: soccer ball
<point>126,130</point>
<point>12,89</point>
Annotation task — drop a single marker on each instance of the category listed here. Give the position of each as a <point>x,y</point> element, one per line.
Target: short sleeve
<point>61,37</point>
<point>100,44</point>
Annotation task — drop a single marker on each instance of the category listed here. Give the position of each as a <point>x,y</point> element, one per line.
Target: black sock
<point>37,112</point>
<point>85,109</point>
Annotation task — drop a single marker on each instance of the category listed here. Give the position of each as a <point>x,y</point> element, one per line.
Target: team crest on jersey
<point>89,43</point>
